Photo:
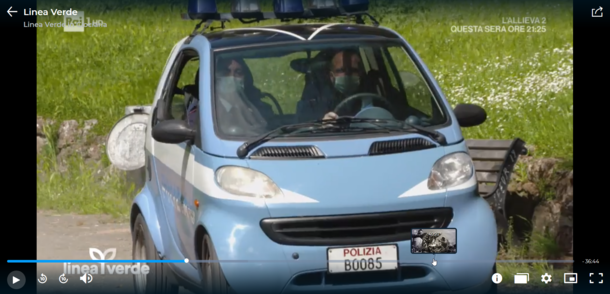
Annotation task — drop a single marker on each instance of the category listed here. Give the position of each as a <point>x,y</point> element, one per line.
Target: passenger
<point>239,106</point>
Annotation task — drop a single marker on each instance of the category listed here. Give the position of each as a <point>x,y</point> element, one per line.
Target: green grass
<point>534,247</point>
<point>83,189</point>
<point>78,186</point>
<point>523,80</point>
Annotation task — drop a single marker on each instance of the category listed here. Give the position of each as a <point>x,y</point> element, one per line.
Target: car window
<point>178,100</point>
<point>275,76</point>
<point>260,89</point>
<point>405,74</point>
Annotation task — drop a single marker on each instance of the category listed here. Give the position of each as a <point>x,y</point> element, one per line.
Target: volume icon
<point>86,278</point>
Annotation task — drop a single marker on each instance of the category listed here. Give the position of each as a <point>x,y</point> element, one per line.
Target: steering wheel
<point>359,96</point>
<point>275,102</point>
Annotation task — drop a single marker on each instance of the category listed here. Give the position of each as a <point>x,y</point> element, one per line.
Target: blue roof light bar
<point>246,9</point>
<point>288,8</point>
<point>249,11</point>
<point>322,8</point>
<point>202,9</point>
<point>354,5</point>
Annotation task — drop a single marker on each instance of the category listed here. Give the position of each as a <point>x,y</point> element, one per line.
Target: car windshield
<point>259,89</point>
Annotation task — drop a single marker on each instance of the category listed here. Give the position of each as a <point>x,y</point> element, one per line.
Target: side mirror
<point>470,115</point>
<point>173,132</point>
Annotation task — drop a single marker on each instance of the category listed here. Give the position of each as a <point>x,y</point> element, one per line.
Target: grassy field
<point>523,80</point>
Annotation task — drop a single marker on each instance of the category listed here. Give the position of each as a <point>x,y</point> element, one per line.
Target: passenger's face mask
<point>347,84</point>
<point>229,85</point>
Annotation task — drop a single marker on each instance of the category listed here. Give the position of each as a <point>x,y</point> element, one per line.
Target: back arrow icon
<point>9,11</point>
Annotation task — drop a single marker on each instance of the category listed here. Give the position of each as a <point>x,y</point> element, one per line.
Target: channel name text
<point>29,11</point>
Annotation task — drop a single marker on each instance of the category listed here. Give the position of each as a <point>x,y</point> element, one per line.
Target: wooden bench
<point>494,162</point>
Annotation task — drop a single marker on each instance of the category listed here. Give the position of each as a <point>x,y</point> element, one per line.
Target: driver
<point>346,75</point>
<point>343,76</point>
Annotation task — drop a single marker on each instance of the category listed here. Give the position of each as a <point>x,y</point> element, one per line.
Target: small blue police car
<point>300,157</point>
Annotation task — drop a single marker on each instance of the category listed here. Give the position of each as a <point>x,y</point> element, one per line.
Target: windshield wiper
<point>248,146</point>
<point>381,124</point>
<point>342,123</point>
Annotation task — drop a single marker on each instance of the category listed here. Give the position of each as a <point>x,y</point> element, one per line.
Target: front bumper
<point>272,268</point>
<point>410,278</point>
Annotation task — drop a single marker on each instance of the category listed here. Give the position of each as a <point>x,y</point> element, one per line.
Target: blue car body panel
<point>144,201</point>
<point>182,195</point>
<point>353,185</point>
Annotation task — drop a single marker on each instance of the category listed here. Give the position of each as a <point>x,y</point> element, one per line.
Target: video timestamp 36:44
<point>590,261</point>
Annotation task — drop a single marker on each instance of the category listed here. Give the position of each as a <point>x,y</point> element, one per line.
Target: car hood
<point>352,185</point>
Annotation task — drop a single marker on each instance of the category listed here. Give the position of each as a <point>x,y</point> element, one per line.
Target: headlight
<point>452,170</point>
<point>246,182</point>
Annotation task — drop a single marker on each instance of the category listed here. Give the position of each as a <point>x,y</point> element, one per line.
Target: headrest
<point>192,89</point>
<point>307,65</point>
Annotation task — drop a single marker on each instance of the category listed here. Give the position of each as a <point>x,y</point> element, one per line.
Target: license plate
<point>362,259</point>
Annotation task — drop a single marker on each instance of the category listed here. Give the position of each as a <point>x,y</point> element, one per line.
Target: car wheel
<point>212,278</point>
<point>494,287</point>
<point>156,281</point>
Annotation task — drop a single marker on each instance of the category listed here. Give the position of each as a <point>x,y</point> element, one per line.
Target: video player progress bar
<point>258,261</point>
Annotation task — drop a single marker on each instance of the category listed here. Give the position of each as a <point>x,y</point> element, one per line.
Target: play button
<point>16,280</point>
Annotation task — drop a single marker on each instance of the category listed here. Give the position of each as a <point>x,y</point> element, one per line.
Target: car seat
<point>193,90</point>
<point>191,98</point>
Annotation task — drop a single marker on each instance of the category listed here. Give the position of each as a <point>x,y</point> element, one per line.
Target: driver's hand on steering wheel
<point>329,116</point>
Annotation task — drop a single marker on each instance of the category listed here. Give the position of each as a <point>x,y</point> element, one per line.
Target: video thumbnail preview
<point>434,241</point>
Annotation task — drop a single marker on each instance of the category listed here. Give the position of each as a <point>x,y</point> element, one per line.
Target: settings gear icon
<point>546,278</point>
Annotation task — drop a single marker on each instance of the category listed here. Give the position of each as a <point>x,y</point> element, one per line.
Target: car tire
<point>143,248</point>
<point>212,278</point>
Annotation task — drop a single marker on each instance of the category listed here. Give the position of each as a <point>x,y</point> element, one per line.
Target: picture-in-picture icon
<point>570,278</point>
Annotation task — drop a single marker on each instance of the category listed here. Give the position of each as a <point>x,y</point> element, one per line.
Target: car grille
<point>288,152</point>
<point>354,229</point>
<point>399,146</point>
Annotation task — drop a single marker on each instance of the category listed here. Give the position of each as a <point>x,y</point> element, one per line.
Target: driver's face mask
<point>229,85</point>
<point>347,84</point>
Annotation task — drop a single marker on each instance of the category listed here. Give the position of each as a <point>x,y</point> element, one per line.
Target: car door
<point>186,212</point>
<point>158,153</point>
<point>171,160</point>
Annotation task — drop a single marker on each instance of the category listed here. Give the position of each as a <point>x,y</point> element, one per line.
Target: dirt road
<point>61,237</point>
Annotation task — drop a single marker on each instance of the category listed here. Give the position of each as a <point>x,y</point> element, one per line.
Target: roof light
<point>246,9</point>
<point>288,8</point>
<point>323,8</point>
<point>202,9</point>
<point>354,5</point>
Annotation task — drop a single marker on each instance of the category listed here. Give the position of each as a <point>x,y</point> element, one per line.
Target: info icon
<point>570,278</point>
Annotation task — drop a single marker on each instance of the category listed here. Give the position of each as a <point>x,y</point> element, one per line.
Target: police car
<point>300,157</point>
